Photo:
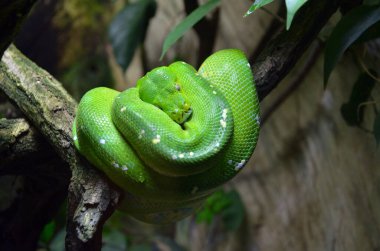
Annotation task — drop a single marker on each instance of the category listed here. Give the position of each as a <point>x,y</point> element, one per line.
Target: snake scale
<point>173,139</point>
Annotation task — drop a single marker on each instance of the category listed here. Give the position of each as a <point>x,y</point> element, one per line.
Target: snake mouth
<point>186,115</point>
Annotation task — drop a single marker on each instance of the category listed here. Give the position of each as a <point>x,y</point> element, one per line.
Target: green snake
<point>176,137</point>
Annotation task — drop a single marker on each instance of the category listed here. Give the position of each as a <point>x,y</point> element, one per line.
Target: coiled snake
<point>174,138</point>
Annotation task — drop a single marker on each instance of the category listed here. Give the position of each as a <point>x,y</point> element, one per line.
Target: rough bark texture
<point>48,106</point>
<point>20,145</point>
<point>281,54</point>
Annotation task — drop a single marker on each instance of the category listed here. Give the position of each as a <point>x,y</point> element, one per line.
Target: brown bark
<point>282,52</point>
<point>48,106</point>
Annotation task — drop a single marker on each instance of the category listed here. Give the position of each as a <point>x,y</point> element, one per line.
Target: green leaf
<point>347,31</point>
<point>228,205</point>
<point>233,215</point>
<point>292,6</point>
<point>187,23</point>
<point>213,206</point>
<point>48,232</point>
<point>256,5</point>
<point>361,91</point>
<point>376,129</point>
<point>127,30</point>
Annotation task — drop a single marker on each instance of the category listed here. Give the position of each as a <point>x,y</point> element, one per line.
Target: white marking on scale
<point>214,92</point>
<point>174,157</point>
<point>141,133</point>
<point>123,109</point>
<point>75,137</point>
<point>157,139</point>
<point>191,153</point>
<point>102,141</point>
<point>224,114</point>
<point>257,119</point>
<point>181,155</point>
<point>238,166</point>
<point>223,123</point>
<point>124,168</point>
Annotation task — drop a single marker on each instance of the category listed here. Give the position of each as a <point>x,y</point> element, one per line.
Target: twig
<point>364,67</point>
<point>275,15</point>
<point>280,55</point>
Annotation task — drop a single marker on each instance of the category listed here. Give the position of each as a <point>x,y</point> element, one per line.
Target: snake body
<point>174,138</point>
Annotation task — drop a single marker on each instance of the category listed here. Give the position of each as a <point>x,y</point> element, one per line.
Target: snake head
<point>159,87</point>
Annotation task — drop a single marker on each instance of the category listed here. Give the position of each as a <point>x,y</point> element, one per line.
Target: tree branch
<point>282,52</point>
<point>50,108</point>
<point>20,145</point>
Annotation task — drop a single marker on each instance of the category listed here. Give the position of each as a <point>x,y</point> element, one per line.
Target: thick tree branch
<point>20,145</point>
<point>49,107</point>
<point>282,52</point>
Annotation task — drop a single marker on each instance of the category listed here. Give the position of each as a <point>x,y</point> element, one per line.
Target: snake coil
<point>173,139</point>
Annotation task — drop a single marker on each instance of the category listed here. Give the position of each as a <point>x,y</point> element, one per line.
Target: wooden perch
<point>51,109</point>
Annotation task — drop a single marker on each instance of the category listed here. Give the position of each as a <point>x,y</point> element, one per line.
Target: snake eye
<point>177,87</point>
<point>186,106</point>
